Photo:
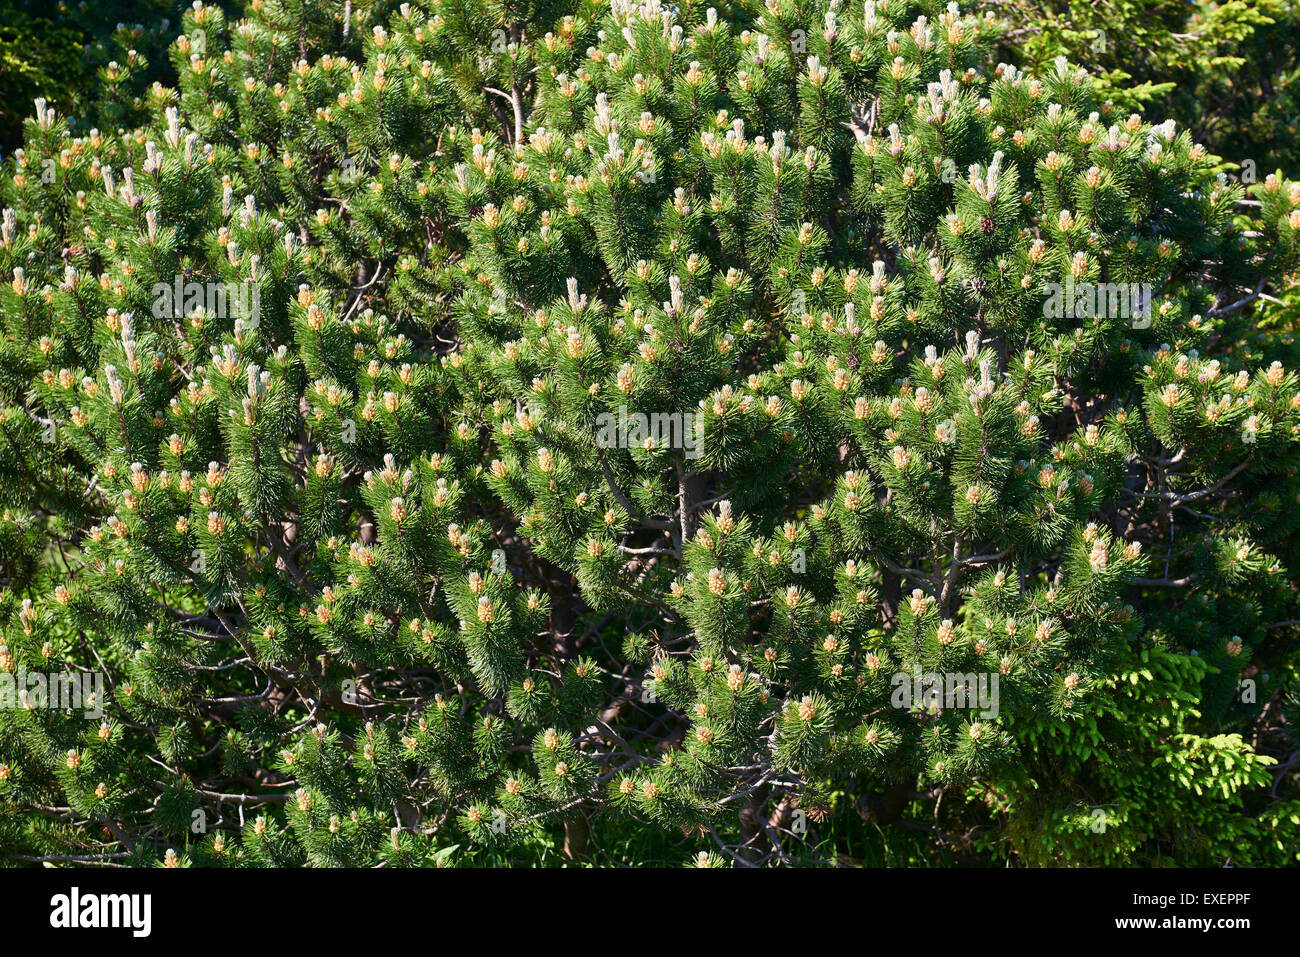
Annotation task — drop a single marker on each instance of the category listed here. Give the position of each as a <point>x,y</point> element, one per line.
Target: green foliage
<point>1171,795</point>
<point>467,423</point>
<point>1226,70</point>
<point>32,66</point>
<point>91,61</point>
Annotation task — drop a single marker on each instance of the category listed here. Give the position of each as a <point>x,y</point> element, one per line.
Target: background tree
<point>1226,71</point>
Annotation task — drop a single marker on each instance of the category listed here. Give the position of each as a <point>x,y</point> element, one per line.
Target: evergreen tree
<point>610,417</point>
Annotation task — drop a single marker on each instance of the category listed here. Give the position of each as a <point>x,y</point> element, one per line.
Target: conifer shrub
<point>733,425</point>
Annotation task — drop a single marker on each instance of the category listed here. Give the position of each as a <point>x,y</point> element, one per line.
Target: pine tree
<point>611,418</point>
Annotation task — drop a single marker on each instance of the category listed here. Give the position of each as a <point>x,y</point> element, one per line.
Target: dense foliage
<point>464,424</point>
<point>1226,70</point>
<point>91,60</point>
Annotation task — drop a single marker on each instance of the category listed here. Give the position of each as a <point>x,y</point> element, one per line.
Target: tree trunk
<point>577,835</point>
<point>752,821</point>
<point>886,807</point>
